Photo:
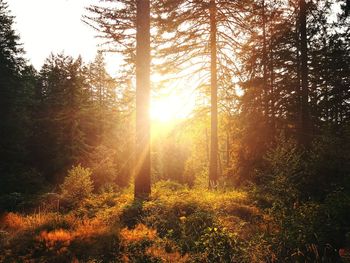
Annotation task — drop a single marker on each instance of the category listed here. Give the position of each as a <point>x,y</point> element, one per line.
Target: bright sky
<point>47,26</point>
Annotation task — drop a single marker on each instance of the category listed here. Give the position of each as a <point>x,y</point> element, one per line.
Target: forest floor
<point>175,225</point>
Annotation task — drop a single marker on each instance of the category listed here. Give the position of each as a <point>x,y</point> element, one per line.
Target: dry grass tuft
<point>139,233</point>
<point>12,222</point>
<point>169,257</point>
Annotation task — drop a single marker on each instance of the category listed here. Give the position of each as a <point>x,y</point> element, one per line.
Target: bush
<point>182,221</point>
<point>219,245</point>
<point>132,214</point>
<point>96,205</point>
<point>103,164</point>
<point>279,178</point>
<point>77,185</point>
<point>310,213</point>
<point>168,186</point>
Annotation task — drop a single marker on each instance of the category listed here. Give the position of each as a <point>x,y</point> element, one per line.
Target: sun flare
<point>172,103</point>
<point>169,108</point>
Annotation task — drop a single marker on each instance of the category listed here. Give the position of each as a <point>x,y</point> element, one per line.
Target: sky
<point>47,26</point>
<point>53,26</point>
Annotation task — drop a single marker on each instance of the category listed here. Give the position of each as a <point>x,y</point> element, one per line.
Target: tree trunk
<point>143,86</point>
<point>213,166</point>
<point>272,91</point>
<point>304,133</point>
<point>228,148</point>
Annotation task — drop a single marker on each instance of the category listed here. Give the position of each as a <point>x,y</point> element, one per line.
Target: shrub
<point>97,204</point>
<point>168,186</point>
<point>166,254</point>
<point>307,198</point>
<point>103,164</point>
<point>194,227</point>
<point>142,244</point>
<point>182,221</point>
<point>77,185</point>
<point>137,241</point>
<point>132,214</point>
<point>219,245</point>
<point>49,202</point>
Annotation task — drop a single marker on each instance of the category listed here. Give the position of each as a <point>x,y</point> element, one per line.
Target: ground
<point>176,224</point>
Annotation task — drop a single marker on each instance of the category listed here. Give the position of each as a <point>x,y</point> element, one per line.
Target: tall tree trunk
<point>143,86</point>
<point>272,91</point>
<point>207,144</point>
<point>228,148</point>
<point>213,166</point>
<point>304,133</point>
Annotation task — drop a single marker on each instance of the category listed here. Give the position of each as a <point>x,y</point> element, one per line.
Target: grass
<point>176,225</point>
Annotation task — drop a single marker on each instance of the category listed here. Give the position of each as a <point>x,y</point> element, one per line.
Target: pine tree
<point>143,89</point>
<point>126,28</point>
<point>63,114</point>
<point>197,40</point>
<point>102,96</point>
<point>213,165</point>
<point>10,74</point>
<point>17,82</point>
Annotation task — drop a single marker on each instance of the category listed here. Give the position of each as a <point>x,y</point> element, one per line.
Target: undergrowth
<point>176,225</point>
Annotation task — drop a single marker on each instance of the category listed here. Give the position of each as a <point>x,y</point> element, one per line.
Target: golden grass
<point>140,232</point>
<point>57,240</point>
<point>168,257</point>
<point>12,222</point>
<point>98,219</point>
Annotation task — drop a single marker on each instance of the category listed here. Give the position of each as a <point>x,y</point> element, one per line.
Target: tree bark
<point>213,165</point>
<point>143,86</point>
<point>272,91</point>
<point>228,148</point>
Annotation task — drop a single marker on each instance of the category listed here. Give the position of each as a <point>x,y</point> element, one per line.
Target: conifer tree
<point>17,82</point>
<point>199,39</point>
<point>143,89</point>
<point>126,26</point>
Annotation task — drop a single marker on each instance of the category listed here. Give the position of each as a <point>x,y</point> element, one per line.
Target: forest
<point>223,136</point>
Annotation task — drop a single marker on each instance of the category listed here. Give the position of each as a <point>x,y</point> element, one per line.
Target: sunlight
<point>167,109</point>
<point>173,104</point>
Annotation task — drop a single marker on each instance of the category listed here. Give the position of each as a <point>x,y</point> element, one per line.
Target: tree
<point>10,67</point>
<point>143,88</point>
<point>304,129</point>
<point>102,98</point>
<point>197,41</point>
<point>17,82</point>
<point>123,25</point>
<point>213,166</point>
<point>63,115</point>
